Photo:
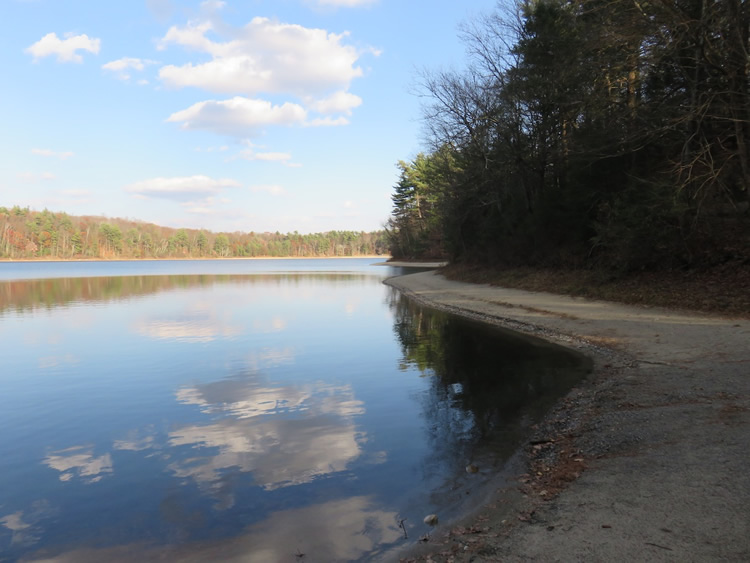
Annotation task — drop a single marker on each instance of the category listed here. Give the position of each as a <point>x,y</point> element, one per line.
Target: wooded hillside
<point>587,133</point>
<point>31,234</point>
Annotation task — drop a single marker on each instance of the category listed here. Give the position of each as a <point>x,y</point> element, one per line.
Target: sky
<point>243,115</point>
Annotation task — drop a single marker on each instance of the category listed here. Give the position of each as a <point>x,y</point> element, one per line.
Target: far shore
<point>190,258</point>
<point>645,460</point>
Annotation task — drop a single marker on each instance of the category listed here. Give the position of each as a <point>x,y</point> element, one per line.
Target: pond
<point>257,410</point>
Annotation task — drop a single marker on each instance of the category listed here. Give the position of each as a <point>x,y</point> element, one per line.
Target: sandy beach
<point>646,460</point>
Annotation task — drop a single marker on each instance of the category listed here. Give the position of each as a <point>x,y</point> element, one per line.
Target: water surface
<point>251,409</point>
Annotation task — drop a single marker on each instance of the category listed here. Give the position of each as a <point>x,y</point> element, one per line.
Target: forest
<point>28,234</point>
<point>586,134</point>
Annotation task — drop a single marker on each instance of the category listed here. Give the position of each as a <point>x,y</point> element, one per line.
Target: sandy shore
<point>647,460</point>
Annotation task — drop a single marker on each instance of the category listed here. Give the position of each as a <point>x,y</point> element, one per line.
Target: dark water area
<point>254,410</point>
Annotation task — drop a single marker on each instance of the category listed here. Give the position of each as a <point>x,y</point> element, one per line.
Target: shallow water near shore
<point>262,410</point>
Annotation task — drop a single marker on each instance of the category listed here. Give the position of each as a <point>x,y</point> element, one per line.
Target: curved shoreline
<point>647,459</point>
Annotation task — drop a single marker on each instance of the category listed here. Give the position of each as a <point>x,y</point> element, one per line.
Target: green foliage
<point>31,234</point>
<point>201,242</point>
<point>588,133</point>
<point>415,229</point>
<point>221,245</point>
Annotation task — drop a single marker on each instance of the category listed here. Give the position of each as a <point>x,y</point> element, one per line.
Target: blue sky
<point>249,115</point>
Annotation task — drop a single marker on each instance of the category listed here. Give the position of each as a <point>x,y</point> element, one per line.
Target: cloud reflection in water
<point>204,330</point>
<point>279,453</point>
<point>283,435</point>
<point>79,461</point>
<point>334,531</point>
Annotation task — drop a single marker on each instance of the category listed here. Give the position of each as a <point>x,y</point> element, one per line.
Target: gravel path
<point>645,461</point>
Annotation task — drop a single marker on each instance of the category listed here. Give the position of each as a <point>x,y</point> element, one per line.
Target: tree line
<point>26,234</point>
<point>586,133</point>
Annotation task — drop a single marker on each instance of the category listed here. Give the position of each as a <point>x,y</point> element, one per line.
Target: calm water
<point>256,410</point>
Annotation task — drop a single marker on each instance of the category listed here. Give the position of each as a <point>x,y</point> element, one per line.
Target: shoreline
<point>646,457</point>
<point>186,259</point>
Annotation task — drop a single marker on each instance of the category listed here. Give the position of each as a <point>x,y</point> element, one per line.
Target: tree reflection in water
<point>48,293</point>
<point>488,384</point>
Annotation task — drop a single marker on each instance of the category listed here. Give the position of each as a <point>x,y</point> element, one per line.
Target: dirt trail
<point>645,461</point>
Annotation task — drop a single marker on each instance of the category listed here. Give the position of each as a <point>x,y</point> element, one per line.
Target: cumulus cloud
<point>263,59</point>
<point>264,56</point>
<point>239,116</point>
<point>46,152</point>
<point>181,188</point>
<point>279,157</point>
<point>122,67</point>
<point>65,49</point>
<point>271,156</point>
<point>340,102</point>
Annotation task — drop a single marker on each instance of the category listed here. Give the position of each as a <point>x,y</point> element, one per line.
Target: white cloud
<point>280,157</point>
<point>121,67</point>
<point>312,66</point>
<point>46,152</point>
<point>271,156</point>
<point>340,102</point>
<point>181,188</point>
<point>265,56</point>
<point>238,116</point>
<point>65,49</point>
<point>125,63</point>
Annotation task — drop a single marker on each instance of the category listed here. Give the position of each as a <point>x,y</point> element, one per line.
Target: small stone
<point>431,520</point>
<point>471,468</point>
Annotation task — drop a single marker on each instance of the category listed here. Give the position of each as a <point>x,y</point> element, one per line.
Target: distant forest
<point>26,234</point>
<point>587,134</point>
